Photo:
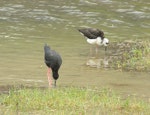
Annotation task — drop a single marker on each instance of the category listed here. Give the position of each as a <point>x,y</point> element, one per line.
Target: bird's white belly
<point>92,41</point>
<point>95,41</point>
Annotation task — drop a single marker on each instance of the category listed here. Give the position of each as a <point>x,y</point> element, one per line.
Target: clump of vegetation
<point>132,56</point>
<point>69,100</point>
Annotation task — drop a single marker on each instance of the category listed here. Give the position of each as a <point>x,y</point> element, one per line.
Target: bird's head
<point>105,42</point>
<point>55,75</point>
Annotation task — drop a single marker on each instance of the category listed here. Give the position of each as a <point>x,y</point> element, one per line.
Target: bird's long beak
<point>55,83</point>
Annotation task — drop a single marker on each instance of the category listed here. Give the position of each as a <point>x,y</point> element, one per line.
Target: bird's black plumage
<point>53,60</point>
<point>92,33</point>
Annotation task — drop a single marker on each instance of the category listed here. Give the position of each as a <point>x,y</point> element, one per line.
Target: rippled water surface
<point>27,25</point>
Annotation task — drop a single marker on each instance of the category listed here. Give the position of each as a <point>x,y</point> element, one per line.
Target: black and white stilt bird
<point>94,37</point>
<point>53,61</point>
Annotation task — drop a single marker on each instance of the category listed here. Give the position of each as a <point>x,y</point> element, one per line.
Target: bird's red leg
<point>49,77</point>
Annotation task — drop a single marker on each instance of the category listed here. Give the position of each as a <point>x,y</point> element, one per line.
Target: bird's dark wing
<point>57,58</point>
<point>53,59</point>
<point>96,32</point>
<point>87,33</point>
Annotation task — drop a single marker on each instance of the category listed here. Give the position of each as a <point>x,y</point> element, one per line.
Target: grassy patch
<point>132,56</point>
<point>69,100</point>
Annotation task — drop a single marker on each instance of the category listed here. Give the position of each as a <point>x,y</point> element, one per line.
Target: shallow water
<point>27,25</point>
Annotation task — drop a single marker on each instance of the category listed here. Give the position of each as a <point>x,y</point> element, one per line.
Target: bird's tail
<point>46,47</point>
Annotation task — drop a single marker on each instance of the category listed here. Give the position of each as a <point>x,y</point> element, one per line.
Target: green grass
<point>135,59</point>
<point>69,100</point>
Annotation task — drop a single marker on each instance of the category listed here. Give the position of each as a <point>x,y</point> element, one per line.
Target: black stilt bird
<point>53,60</point>
<point>94,37</point>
